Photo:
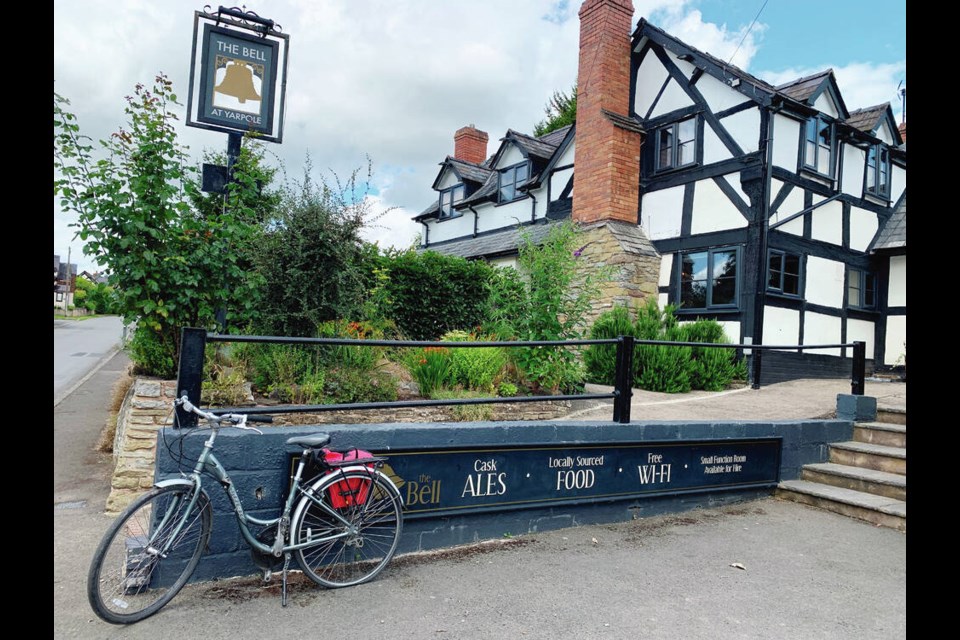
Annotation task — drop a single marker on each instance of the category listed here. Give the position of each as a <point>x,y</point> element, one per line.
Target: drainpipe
<point>533,207</point>
<point>476,220</point>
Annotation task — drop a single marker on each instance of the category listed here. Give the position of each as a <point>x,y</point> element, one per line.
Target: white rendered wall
<point>713,148</point>
<point>511,155</point>
<point>663,300</point>
<point>854,163</point>
<point>825,105</point>
<point>731,329</point>
<point>781,326</point>
<point>558,182</point>
<point>502,263</point>
<point>792,204</point>
<point>744,127</point>
<point>718,95</point>
<point>821,329</point>
<point>733,179</point>
<point>448,180</point>
<point>897,290</point>
<point>786,137</point>
<point>568,154</point>
<point>884,133</point>
<point>713,211</point>
<point>451,228</point>
<point>827,222</point>
<point>666,265</point>
<point>661,213</point>
<point>824,282</point>
<point>510,214</point>
<point>863,228</point>
<point>685,67</point>
<point>650,77</point>
<point>861,330</point>
<point>673,98</point>
<point>898,182</point>
<point>895,345</point>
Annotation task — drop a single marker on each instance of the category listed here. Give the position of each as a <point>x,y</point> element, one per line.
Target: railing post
<point>756,368</point>
<point>623,380</point>
<point>858,384</point>
<point>193,343</point>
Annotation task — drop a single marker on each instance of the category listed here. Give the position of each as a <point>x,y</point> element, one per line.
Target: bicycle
<point>342,527</point>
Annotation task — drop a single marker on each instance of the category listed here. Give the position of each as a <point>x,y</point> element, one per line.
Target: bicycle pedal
<point>267,575</point>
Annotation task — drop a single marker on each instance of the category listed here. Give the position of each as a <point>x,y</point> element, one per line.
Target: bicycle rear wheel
<point>373,507</point>
<point>149,553</point>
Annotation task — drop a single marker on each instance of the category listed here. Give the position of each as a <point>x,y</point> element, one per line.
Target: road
<point>79,347</point>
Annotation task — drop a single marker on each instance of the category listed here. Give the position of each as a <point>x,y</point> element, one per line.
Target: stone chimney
<point>608,157</point>
<point>903,131</point>
<point>470,144</point>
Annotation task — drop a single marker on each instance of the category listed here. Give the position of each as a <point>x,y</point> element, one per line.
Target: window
<point>677,145</point>
<point>818,146</point>
<point>59,297</point>
<point>448,198</point>
<point>511,179</point>
<point>861,289</point>
<point>878,171</point>
<point>783,273</point>
<point>708,279</point>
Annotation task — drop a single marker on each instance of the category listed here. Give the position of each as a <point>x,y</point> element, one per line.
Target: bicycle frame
<point>208,461</point>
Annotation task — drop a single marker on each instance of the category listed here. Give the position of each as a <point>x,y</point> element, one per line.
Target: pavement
<point>759,569</point>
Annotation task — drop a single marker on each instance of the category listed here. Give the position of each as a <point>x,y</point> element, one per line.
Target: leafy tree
<point>311,253</point>
<point>97,297</point>
<point>170,264</point>
<point>561,110</point>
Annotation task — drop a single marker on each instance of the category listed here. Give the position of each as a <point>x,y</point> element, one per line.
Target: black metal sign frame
<point>256,52</point>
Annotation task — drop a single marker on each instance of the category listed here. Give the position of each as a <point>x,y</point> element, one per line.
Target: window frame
<point>450,191</point>
<point>866,285</point>
<point>514,184</point>
<point>813,166</point>
<point>709,305</point>
<point>675,144</point>
<point>877,167</point>
<point>779,290</point>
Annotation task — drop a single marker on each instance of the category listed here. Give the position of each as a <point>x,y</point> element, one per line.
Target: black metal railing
<point>194,341</point>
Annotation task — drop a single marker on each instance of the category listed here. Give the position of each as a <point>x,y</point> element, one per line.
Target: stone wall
<point>147,407</point>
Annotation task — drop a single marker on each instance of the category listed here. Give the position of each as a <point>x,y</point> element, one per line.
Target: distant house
<point>63,285</point>
<point>775,210</point>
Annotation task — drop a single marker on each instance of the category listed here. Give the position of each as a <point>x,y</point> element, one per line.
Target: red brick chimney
<point>470,144</point>
<point>607,156</point>
<point>903,131</point>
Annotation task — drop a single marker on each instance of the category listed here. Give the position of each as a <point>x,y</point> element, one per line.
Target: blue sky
<point>393,79</point>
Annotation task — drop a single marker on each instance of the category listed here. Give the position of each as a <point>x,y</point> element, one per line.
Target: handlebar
<point>238,420</point>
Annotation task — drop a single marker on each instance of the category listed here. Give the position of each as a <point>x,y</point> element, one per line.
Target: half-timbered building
<point>777,210</point>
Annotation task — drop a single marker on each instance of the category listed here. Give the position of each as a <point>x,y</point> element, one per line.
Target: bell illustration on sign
<point>238,85</point>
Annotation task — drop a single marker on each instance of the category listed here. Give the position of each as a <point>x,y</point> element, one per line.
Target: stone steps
<point>865,478</point>
<point>878,510</point>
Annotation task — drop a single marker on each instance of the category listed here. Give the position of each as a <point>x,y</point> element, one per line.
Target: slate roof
<point>866,119</point>
<point>802,88</point>
<point>502,242</point>
<point>468,170</point>
<point>535,146</point>
<point>893,234</point>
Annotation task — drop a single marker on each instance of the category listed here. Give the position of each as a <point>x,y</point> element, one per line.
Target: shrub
<point>150,353</point>
<point>465,412</point>
<point>601,359</point>
<point>711,368</point>
<point>476,368</point>
<point>350,356</point>
<point>345,385</point>
<point>432,368</point>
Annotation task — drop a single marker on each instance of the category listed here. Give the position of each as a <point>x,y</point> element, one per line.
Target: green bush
<point>350,356</point>
<point>345,385</point>
<point>465,412</point>
<point>601,359</point>
<point>711,368</point>
<point>150,353</point>
<point>432,368</point>
<point>428,294</point>
<point>475,368</point>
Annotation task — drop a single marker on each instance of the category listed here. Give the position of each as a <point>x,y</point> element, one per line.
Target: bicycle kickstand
<point>286,565</point>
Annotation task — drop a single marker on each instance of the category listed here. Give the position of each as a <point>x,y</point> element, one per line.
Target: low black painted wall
<point>259,467</point>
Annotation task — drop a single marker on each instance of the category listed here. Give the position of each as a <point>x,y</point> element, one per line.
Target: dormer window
<point>448,199</point>
<point>818,146</point>
<point>878,171</point>
<point>676,145</point>
<point>511,179</point>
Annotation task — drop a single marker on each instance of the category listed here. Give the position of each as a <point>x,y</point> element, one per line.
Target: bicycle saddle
<point>310,441</point>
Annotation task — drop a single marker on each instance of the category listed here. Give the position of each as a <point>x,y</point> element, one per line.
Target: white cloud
<point>861,84</point>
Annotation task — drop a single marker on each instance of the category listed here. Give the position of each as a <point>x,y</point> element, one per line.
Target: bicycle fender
<point>172,482</point>
<point>359,467</point>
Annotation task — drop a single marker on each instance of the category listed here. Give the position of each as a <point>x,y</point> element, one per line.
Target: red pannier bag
<point>352,492</point>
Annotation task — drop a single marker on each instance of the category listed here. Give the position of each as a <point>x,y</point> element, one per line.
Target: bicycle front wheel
<point>337,556</point>
<point>149,553</point>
